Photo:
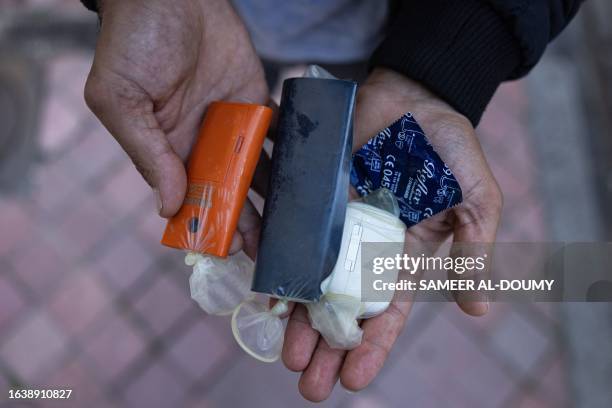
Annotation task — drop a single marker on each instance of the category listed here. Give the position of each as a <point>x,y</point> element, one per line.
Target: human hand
<point>158,64</point>
<point>384,97</point>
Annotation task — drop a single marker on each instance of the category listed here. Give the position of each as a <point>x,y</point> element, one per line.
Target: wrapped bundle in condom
<point>220,169</point>
<point>374,218</point>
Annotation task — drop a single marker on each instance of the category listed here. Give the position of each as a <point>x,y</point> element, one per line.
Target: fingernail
<point>347,390</point>
<point>237,243</point>
<point>158,201</point>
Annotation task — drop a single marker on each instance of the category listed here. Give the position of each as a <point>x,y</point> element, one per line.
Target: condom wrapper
<point>219,173</point>
<point>401,159</point>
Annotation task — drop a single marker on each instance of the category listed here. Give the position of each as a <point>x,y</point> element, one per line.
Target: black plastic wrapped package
<point>306,203</point>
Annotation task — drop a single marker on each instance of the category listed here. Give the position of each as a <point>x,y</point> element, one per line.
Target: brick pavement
<point>91,301</point>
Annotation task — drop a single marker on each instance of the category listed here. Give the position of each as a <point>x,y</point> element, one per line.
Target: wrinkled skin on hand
<point>383,99</point>
<point>157,66</point>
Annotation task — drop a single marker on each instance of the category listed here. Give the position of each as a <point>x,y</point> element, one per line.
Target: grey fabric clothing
<point>326,31</point>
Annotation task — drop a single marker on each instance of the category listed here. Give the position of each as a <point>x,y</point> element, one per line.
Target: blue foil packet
<point>401,159</point>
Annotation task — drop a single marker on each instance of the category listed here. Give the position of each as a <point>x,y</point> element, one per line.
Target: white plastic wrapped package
<point>375,219</point>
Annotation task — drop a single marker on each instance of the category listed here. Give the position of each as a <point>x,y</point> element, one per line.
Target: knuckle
<point>383,347</point>
<point>454,123</point>
<point>484,206</point>
<point>145,159</point>
<point>147,172</point>
<point>490,200</point>
<point>463,122</point>
<point>397,313</point>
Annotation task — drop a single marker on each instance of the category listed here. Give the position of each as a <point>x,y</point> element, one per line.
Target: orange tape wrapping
<point>219,172</point>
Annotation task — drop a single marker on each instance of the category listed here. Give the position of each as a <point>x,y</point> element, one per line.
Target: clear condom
<point>219,285</point>
<point>335,317</point>
<point>259,330</point>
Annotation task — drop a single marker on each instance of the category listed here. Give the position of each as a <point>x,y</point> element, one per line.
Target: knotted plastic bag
<point>219,285</point>
<point>335,317</point>
<point>259,330</point>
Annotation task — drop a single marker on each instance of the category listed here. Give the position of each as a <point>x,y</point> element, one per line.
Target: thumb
<point>475,229</point>
<point>247,235</point>
<point>127,112</point>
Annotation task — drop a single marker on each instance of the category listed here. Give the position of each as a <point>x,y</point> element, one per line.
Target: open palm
<point>384,98</point>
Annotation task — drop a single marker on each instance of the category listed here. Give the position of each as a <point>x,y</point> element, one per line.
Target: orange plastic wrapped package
<point>219,172</point>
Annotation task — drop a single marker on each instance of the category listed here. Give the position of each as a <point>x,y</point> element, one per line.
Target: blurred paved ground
<point>91,301</point>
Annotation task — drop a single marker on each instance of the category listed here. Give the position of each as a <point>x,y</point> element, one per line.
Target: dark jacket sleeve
<point>462,50</point>
<point>91,4</point>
